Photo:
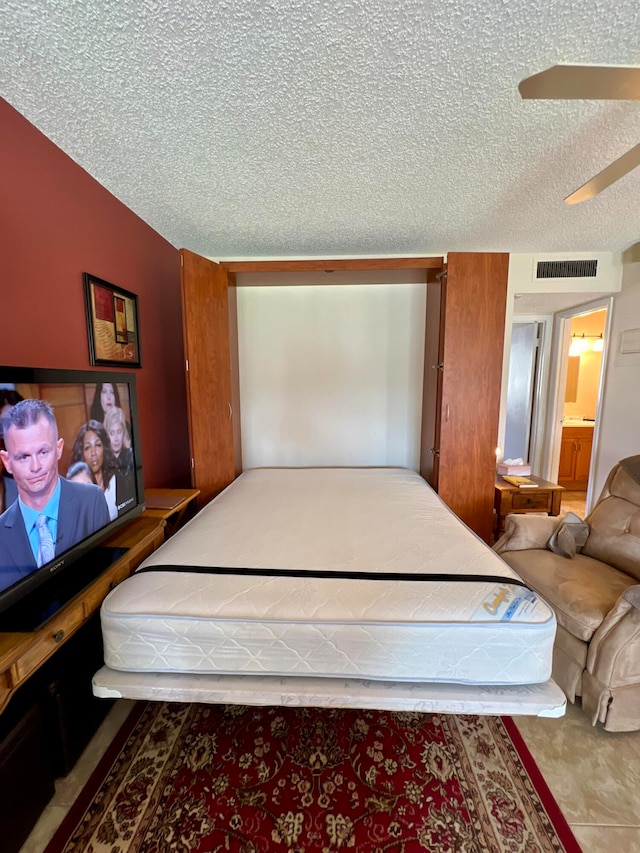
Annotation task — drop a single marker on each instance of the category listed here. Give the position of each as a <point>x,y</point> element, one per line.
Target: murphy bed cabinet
<point>463,369</point>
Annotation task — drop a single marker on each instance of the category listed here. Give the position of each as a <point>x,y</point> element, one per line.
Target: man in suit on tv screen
<point>51,514</point>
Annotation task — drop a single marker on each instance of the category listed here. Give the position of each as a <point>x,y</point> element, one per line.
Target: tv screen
<point>70,474</point>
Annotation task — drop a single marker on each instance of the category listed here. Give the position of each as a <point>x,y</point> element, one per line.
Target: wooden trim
<point>234,354</point>
<point>342,264</point>
<point>432,381</point>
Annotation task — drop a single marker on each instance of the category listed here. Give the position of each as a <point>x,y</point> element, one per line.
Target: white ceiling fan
<point>589,82</point>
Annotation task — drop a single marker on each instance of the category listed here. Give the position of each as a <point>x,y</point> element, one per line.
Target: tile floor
<point>594,776</point>
<point>67,789</point>
<point>574,502</point>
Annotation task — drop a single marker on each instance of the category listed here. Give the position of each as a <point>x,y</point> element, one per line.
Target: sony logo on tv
<point>57,565</point>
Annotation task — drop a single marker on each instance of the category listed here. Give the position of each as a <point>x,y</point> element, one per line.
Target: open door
<point>572,435</point>
<point>524,370</point>
<point>207,342</point>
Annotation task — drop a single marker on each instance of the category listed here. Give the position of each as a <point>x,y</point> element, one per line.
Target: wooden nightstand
<point>508,498</point>
<point>175,506</point>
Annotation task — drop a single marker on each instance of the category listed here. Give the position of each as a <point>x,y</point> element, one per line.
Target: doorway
<point>579,354</point>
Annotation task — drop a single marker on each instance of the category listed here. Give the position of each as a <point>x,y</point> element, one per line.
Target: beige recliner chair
<point>595,594</point>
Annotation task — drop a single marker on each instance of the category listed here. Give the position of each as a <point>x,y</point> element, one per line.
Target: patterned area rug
<point>213,778</point>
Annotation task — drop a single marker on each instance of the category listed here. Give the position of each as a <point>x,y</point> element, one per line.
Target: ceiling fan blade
<point>616,170</point>
<point>632,254</point>
<point>586,82</point>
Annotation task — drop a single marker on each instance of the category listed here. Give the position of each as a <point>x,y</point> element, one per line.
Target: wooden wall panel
<point>205,311</point>
<point>471,381</point>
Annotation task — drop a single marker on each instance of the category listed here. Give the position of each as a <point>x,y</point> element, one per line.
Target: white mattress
<point>354,520</point>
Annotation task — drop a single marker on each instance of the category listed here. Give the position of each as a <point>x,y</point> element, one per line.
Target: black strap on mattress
<point>323,573</point>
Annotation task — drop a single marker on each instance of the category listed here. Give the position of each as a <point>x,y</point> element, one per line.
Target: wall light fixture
<point>580,344</point>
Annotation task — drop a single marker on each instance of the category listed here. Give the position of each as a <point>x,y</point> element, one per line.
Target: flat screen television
<point>69,453</point>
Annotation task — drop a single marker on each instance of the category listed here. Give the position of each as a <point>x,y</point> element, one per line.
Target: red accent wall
<point>57,222</point>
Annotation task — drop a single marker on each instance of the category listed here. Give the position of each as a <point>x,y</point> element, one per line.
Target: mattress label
<point>505,603</point>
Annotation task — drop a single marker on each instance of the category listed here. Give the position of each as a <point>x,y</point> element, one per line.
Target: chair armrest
<point>524,532</point>
<point>626,607</point>
<point>614,650</point>
<point>632,595</point>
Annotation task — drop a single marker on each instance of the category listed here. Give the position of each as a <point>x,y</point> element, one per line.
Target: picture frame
<point>112,323</point>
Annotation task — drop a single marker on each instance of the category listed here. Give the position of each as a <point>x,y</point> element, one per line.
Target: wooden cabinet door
<point>566,467</point>
<point>205,315</point>
<point>583,460</point>
<point>575,457</point>
<point>471,382</point>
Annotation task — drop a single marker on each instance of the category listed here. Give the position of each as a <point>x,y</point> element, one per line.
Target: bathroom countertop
<point>577,422</point>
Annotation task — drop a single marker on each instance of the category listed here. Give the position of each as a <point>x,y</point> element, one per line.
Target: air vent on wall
<point>630,341</point>
<point>567,269</point>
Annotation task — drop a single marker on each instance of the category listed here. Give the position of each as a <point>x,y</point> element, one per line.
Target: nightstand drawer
<point>526,500</point>
<point>49,639</point>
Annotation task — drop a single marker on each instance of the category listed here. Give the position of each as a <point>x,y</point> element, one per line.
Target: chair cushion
<point>615,534</point>
<point>581,591</point>
<point>569,536</point>
<point>615,520</point>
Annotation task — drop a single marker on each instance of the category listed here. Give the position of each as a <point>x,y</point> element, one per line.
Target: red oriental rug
<point>213,778</point>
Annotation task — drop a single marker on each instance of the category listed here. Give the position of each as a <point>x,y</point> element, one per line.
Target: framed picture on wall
<point>112,323</point>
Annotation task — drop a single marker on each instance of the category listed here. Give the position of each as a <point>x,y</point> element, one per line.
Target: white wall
<point>331,374</point>
<point>620,413</point>
<point>522,280</point>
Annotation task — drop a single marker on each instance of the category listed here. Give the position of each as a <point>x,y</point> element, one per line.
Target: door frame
<point>558,381</point>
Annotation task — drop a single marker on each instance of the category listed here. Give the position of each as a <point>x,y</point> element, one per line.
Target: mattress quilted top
<point>336,519</point>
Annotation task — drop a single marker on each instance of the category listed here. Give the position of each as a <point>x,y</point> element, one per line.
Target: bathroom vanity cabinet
<point>575,457</point>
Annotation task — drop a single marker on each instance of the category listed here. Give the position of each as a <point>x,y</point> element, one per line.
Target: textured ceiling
<point>280,128</point>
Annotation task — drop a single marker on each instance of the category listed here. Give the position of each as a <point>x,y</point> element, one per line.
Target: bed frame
<point>333,588</point>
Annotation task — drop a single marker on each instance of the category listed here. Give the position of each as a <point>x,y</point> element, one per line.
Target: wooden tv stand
<point>22,654</point>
